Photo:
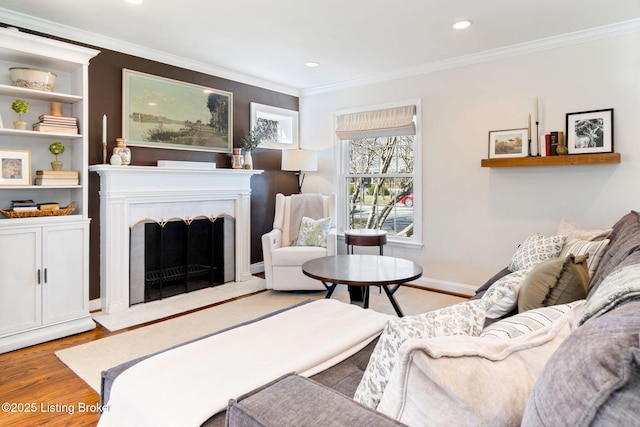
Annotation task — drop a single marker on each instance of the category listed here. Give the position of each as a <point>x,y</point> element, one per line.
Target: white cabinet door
<point>65,266</point>
<point>20,266</point>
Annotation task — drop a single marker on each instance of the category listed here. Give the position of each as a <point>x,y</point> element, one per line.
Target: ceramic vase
<point>236,160</point>
<point>123,151</point>
<point>248,160</point>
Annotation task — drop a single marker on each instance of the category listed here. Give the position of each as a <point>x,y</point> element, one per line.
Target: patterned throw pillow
<point>466,318</point>
<point>529,321</point>
<point>535,249</point>
<point>502,296</point>
<point>581,247</point>
<point>313,232</point>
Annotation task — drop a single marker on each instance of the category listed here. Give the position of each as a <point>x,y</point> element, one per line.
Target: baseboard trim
<point>444,286</point>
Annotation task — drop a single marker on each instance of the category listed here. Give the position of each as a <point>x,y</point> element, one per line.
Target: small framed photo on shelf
<point>508,143</point>
<point>15,167</point>
<point>590,132</point>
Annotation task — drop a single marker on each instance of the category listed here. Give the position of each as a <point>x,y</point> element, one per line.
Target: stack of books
<point>58,124</point>
<point>24,205</point>
<point>50,177</point>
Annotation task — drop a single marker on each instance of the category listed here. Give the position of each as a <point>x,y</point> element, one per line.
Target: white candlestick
<point>104,128</point>
<point>529,128</point>
<point>537,111</point>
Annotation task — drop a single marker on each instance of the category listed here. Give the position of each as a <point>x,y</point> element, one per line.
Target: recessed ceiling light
<point>311,64</point>
<point>462,24</point>
<point>134,1</point>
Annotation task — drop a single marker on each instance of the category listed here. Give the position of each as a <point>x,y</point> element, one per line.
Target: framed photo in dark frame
<point>508,143</point>
<point>590,132</point>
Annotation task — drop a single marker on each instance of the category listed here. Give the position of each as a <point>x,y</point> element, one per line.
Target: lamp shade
<point>299,160</point>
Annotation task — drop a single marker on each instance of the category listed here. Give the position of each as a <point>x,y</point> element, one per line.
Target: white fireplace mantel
<point>129,194</point>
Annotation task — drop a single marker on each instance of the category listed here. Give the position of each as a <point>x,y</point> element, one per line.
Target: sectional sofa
<point>551,340</point>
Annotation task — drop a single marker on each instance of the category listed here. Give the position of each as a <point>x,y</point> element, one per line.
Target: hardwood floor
<point>37,389</point>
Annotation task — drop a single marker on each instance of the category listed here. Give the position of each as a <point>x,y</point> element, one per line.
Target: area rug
<point>143,313</point>
<point>90,359</point>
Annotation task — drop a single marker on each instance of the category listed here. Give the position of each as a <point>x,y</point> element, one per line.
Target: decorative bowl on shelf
<point>32,78</point>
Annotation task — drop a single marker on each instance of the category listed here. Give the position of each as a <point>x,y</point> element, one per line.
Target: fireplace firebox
<point>177,256</point>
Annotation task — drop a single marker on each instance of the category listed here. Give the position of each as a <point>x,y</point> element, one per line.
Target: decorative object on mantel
<point>21,107</point>
<point>56,148</point>
<point>115,160</point>
<point>249,142</point>
<point>104,139</point>
<point>237,160</point>
<point>123,151</point>
<point>590,132</point>
<point>508,143</point>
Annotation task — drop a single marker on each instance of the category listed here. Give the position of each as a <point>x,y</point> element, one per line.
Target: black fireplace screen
<point>180,256</point>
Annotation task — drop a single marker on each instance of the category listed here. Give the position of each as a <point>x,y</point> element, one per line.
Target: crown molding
<point>577,37</point>
<point>47,27</point>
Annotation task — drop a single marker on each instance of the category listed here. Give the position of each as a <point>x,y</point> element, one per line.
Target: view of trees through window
<point>380,184</point>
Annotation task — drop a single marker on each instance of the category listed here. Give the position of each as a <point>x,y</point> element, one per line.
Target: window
<point>379,171</point>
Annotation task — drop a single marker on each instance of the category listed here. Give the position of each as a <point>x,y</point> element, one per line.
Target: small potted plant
<point>21,107</point>
<point>56,148</point>
<point>249,142</point>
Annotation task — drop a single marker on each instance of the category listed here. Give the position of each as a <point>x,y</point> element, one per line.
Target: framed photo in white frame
<point>15,167</point>
<point>276,127</point>
<point>508,143</point>
<point>590,132</point>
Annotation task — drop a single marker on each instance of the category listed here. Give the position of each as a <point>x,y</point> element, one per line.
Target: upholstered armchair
<point>287,246</point>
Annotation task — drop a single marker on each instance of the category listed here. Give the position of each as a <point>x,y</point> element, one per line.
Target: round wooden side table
<point>365,237</point>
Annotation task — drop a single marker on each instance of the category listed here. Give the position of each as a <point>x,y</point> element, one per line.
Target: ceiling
<point>270,41</point>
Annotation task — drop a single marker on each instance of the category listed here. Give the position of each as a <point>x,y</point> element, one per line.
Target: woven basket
<point>28,214</point>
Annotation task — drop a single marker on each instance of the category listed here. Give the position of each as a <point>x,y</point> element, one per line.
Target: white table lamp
<point>299,161</point>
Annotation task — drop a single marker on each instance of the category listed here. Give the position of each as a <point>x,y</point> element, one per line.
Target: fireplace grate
<point>177,273</point>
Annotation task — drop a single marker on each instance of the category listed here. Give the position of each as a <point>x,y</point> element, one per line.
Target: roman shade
<point>397,121</point>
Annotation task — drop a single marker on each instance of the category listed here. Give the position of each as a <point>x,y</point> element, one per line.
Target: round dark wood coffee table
<point>363,270</point>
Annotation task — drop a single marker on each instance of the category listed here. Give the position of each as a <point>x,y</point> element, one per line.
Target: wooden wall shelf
<point>572,159</point>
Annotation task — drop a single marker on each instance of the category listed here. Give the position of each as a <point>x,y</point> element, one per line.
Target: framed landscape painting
<point>590,132</point>
<point>508,143</point>
<point>164,113</point>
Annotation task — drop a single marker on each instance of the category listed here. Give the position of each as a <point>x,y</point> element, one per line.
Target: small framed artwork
<point>162,113</point>
<point>15,167</point>
<point>276,127</point>
<point>590,132</point>
<point>508,143</point>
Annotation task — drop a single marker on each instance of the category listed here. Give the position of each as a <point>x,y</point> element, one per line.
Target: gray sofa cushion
<point>297,401</point>
<point>594,376</point>
<point>625,240</point>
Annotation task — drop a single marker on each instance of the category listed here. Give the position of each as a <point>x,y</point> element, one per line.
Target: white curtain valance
<point>396,121</point>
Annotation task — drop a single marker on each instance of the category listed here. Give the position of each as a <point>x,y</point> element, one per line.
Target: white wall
<point>475,217</point>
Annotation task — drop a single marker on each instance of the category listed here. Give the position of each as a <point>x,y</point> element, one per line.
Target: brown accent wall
<point>105,97</point>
